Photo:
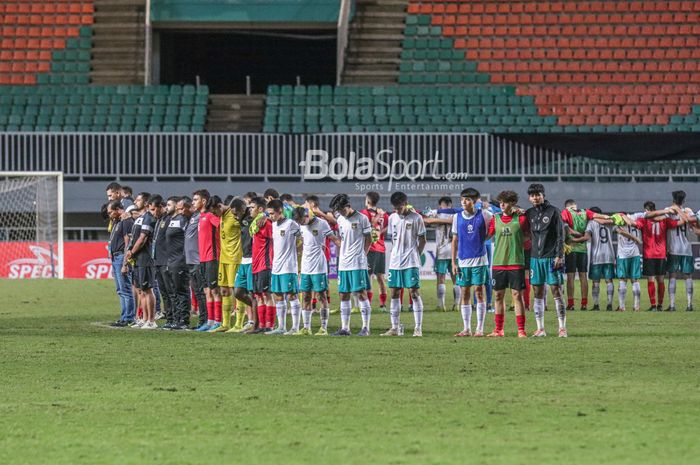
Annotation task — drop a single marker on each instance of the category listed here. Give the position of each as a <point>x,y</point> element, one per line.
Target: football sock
<point>520,321</point>
<point>395,313</point>
<point>570,302</point>
<point>596,293</point>
<point>671,292</point>
<point>622,293</point>
<point>651,290</point>
<point>210,312</point>
<point>382,300</point>
<point>345,310</point>
<point>611,292</point>
<point>441,294</point>
<point>539,313</point>
<point>457,293</point>
<point>370,295</point>
<point>217,311</point>
<point>270,316</point>
<point>418,312</point>
<point>296,313</point>
<point>480,316</point>
<point>662,288</point>
<point>226,304</point>
<point>324,318</point>
<point>561,312</point>
<point>261,316</point>
<point>366,311</point>
<point>584,302</point>
<point>689,291</point>
<point>306,316</point>
<point>281,308</point>
<point>467,317</point>
<point>637,293</point>
<point>499,321</point>
<point>240,314</point>
<point>295,308</point>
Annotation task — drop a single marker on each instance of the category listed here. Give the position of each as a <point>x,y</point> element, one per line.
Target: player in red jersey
<point>376,257</point>
<point>261,231</point>
<point>209,248</point>
<point>654,226</point>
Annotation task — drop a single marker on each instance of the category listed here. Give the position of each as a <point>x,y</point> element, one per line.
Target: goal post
<point>31,224</point>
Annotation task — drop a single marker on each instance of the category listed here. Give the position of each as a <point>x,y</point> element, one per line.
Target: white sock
<point>345,310</point>
<point>480,316</point>
<point>281,308</point>
<point>561,312</point>
<point>209,322</point>
<point>457,293</point>
<point>689,291</point>
<point>637,293</point>
<point>355,301</point>
<point>441,294</point>
<point>296,310</point>
<point>366,310</point>
<point>622,293</point>
<point>596,293</point>
<point>306,316</point>
<point>611,292</point>
<point>539,313</point>
<point>672,291</point>
<point>395,312</point>
<point>467,317</point>
<point>418,311</point>
<point>324,317</point>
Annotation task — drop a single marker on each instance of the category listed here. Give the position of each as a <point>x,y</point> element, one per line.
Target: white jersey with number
<point>602,250</point>
<point>443,238</point>
<point>404,232</point>
<point>677,242</point>
<point>627,248</point>
<point>353,231</point>
<point>313,257</point>
<point>284,246</point>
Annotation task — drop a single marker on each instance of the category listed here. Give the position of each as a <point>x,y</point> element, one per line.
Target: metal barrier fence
<point>85,156</point>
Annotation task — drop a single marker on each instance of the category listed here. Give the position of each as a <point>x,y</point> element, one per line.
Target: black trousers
<point>197,283</point>
<point>180,280</point>
<point>165,285</point>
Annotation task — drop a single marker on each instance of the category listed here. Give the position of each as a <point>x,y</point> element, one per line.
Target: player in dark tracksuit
<point>547,256</point>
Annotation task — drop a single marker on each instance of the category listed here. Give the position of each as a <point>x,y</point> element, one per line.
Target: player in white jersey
<point>601,258</point>
<point>284,283</point>
<point>629,258</point>
<point>314,267</point>
<point>353,275</point>
<point>407,232</point>
<point>680,255</point>
<point>442,222</point>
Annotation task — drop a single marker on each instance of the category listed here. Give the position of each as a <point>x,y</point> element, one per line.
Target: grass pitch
<point>622,389</point>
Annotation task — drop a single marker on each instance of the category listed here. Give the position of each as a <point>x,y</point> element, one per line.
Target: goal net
<point>31,225</point>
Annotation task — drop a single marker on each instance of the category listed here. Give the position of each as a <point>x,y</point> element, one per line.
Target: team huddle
<point>243,263</point>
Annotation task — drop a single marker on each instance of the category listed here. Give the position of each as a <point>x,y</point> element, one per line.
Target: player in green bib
<point>508,230</point>
<point>576,260</point>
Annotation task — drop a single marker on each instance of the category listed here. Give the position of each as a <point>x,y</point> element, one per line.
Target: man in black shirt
<point>547,256</point>
<point>162,213</point>
<point>118,238</point>
<point>139,251</point>
<point>178,270</point>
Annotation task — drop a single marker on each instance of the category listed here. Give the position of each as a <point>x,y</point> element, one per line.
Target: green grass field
<point>622,389</point>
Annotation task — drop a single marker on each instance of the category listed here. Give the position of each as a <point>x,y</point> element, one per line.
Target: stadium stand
<point>527,66</point>
<point>45,53</point>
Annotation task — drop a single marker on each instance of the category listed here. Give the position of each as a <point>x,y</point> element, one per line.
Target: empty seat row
<point>554,31</point>
<point>52,7</point>
<point>580,54</point>
<point>475,7</point>
<point>559,19</point>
